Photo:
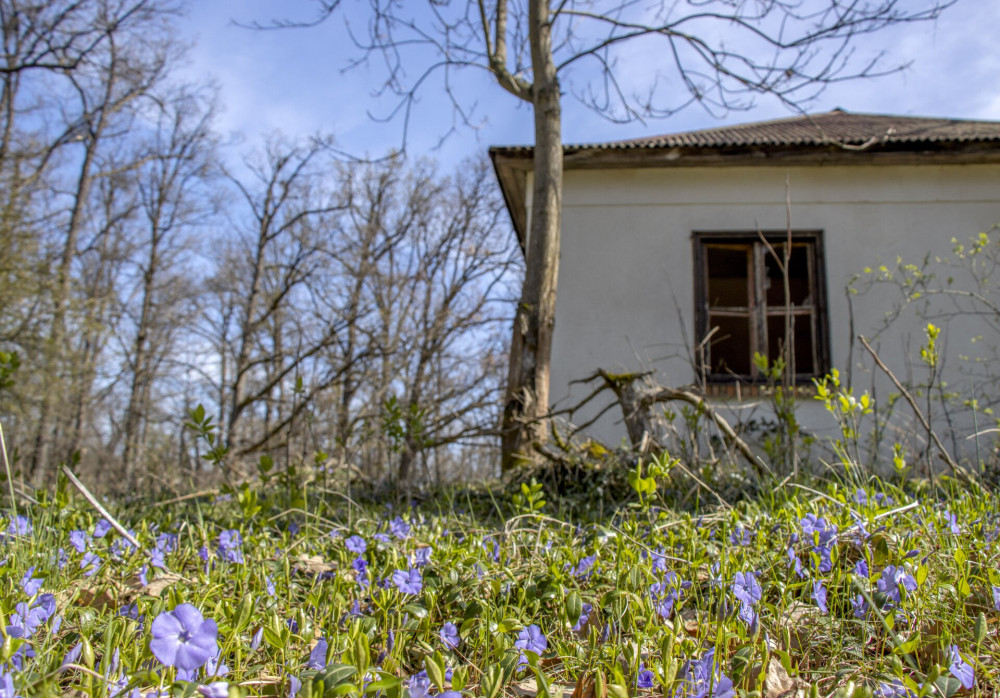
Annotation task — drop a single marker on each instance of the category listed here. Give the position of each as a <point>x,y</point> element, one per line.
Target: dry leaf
<point>313,564</point>
<point>586,687</point>
<point>778,684</point>
<point>161,583</point>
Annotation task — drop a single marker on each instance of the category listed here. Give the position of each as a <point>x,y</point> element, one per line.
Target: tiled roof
<point>835,127</point>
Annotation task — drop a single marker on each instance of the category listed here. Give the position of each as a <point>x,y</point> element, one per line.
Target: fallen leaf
<point>313,564</point>
<point>778,684</point>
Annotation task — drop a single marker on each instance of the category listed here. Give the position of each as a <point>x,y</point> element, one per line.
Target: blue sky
<point>294,82</point>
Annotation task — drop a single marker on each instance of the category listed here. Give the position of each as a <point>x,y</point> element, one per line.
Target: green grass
<point>500,564</point>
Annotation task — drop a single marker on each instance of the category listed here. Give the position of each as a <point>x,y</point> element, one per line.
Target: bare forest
<point>339,313</point>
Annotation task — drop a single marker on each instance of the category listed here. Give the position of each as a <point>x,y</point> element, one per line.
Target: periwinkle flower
<point>419,685</point>
<point>531,639</point>
<point>408,581</point>
<point>861,569</point>
<point>646,677</point>
<point>101,528</point>
<point>7,685</point>
<point>399,528</point>
<point>255,640</point>
<point>449,635</point>
<point>746,588</point>
<point>31,584</point>
<point>422,556</point>
<point>269,585</point>
<point>20,525</point>
<point>996,598</point>
<point>894,690</point>
<point>356,544</point>
<point>892,579</point>
<point>819,595</point>
<point>90,562</point>
<point>860,606</point>
<point>584,617</point>
<point>961,669</point>
<point>740,536</point>
<point>230,546</point>
<point>183,638</point>
<point>219,689</point>
<point>704,679</point>
<point>73,656</point>
<point>317,657</point>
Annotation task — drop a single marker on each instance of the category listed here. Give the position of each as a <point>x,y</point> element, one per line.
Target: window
<point>741,307</point>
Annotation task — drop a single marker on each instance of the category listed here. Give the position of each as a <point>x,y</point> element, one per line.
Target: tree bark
<point>527,399</point>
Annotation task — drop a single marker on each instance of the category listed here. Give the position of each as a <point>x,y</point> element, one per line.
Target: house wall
<point>625,299</point>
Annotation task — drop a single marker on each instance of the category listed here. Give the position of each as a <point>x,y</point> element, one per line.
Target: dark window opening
<point>744,305</point>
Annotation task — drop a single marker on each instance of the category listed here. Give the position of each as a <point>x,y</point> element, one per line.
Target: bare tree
<point>172,197</point>
<point>124,52</point>
<point>715,53</point>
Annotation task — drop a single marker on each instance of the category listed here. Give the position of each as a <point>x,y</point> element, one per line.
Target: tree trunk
<point>527,400</point>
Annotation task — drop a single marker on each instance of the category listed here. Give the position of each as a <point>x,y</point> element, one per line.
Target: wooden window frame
<point>758,310</point>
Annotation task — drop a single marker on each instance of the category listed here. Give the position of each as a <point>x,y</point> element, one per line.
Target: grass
<point>645,601</point>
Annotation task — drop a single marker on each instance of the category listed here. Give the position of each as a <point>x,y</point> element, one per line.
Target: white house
<point>664,266</point>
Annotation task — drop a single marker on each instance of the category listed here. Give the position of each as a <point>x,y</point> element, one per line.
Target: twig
<point>956,469</point>
<point>184,498</point>
<point>92,500</point>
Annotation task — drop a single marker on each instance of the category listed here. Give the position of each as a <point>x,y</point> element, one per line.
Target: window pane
<point>803,341</point>
<point>798,276</point>
<point>730,350</point>
<point>727,276</point>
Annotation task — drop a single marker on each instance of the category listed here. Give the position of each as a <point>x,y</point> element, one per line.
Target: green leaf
<point>434,664</point>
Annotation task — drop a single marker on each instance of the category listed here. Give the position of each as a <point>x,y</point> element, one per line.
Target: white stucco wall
<point>625,298</point>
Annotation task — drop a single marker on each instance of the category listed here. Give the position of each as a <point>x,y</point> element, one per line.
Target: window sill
<point>743,391</point>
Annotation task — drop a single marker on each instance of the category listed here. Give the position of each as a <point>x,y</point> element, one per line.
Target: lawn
<point>290,586</point>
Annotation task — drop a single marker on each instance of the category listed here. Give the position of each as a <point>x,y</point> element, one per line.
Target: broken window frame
<point>757,312</point>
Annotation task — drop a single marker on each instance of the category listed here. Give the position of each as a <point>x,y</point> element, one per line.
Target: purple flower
<point>449,635</point>
<point>31,584</point>
<point>894,690</point>
<point>101,528</point>
<point>584,566</point>
<point>20,526</point>
<point>892,579</point>
<point>399,528</point>
<point>584,617</point>
<point>746,588</point>
<point>860,606</point>
<point>422,556</point>
<point>219,689</point>
<point>704,679</point>
<point>361,570</point>
<point>796,563</point>
<point>408,582</point>
<point>230,546</point>
<point>740,536</point>
<point>419,685</point>
<point>79,540</point>
<point>861,569</point>
<point>90,562</point>
<point>269,585</point>
<point>183,638</point>
<point>255,640</point>
<point>531,639</point>
<point>952,523</point>
<point>819,595</point>
<point>382,538</point>
<point>72,656</point>
<point>7,685</point>
<point>356,544</point>
<point>961,669</point>
<point>646,677</point>
<point>317,658</point>
<point>996,598</point>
